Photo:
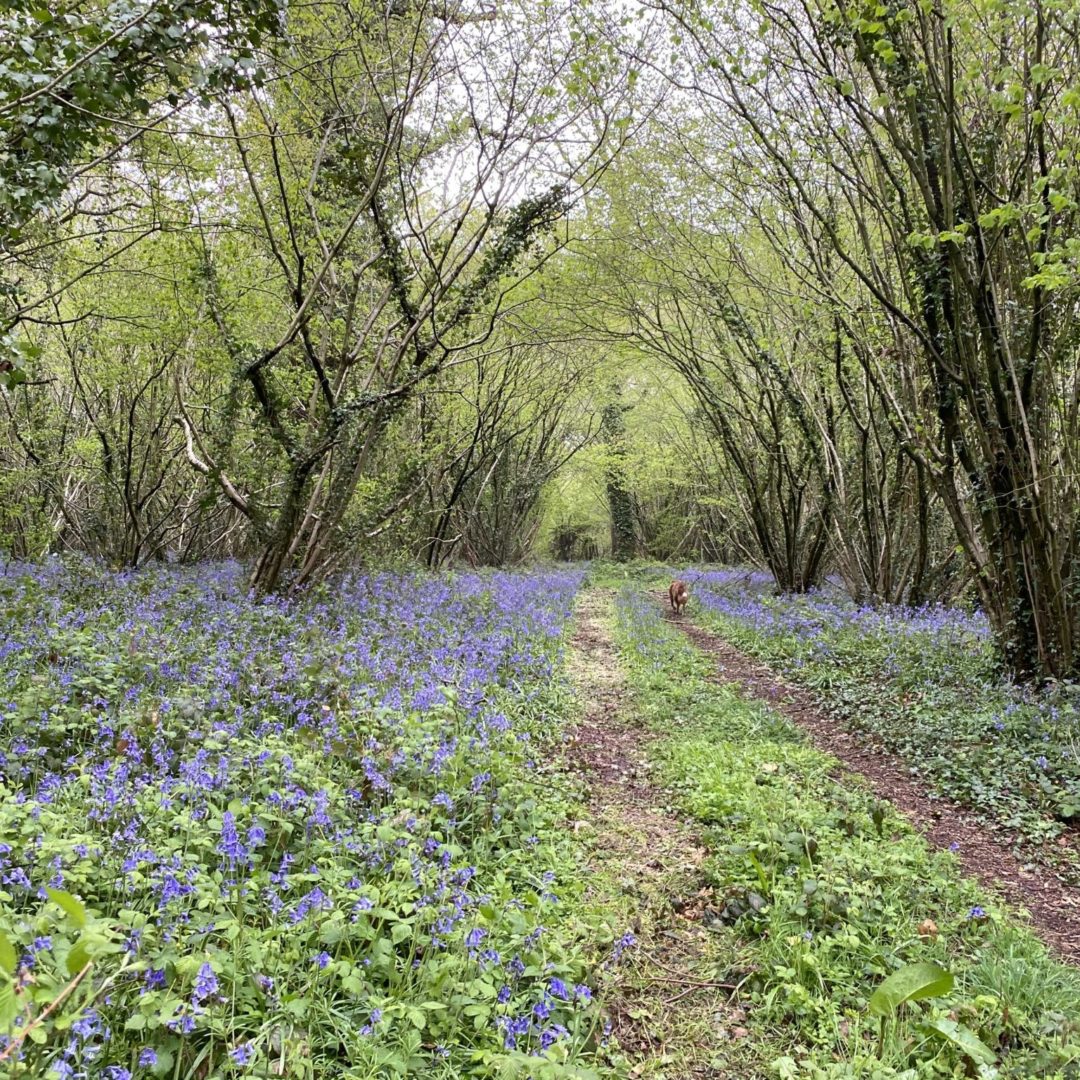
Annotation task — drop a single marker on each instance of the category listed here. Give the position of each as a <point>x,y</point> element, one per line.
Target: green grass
<point>927,687</point>
<point>824,890</point>
<point>662,1007</point>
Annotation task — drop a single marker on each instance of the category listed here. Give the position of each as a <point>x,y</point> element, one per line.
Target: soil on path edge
<point>1053,905</point>
<point>670,1013</point>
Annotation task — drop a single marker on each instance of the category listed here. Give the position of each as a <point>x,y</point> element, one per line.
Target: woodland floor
<point>668,1010</point>
<point>1053,905</point>
<point>673,1015</point>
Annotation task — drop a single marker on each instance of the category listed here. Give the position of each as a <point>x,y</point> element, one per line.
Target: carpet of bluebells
<point>925,683</point>
<point>283,838</point>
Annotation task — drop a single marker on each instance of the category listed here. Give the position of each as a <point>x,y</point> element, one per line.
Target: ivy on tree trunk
<point>620,498</point>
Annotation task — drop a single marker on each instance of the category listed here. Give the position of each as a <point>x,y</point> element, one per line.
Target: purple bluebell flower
<point>206,983</point>
<point>243,1054</point>
<point>373,1019</point>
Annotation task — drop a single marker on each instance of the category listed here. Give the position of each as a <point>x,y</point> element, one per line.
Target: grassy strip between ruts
<point>830,893</point>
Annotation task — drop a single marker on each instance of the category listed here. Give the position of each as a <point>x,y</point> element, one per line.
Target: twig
<point>692,983</point>
<point>17,1041</point>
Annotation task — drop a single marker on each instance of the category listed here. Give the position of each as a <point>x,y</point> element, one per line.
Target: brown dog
<point>678,593</point>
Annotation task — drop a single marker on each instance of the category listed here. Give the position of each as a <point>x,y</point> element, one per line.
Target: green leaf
<point>13,378</point>
<point>164,1063</point>
<point>9,1008</point>
<point>79,956</point>
<point>68,902</point>
<point>8,957</point>
<point>964,1039</point>
<point>911,983</point>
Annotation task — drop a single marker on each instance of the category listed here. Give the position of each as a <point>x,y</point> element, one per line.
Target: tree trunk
<point>620,499</point>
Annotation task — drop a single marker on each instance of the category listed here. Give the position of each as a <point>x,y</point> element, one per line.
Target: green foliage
<point>927,686</point>
<point>918,982</point>
<point>624,543</point>
<point>63,949</point>
<point>214,884</point>
<point>961,1037</point>
<point>912,983</point>
<point>233,319</point>
<point>829,892</point>
<point>75,71</point>
<point>273,992</point>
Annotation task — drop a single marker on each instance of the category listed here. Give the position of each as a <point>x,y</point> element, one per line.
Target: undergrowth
<point>925,684</point>
<point>830,892</point>
<point>307,839</point>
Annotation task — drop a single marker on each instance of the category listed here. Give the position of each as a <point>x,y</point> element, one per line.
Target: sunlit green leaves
<point>72,907</point>
<point>103,58</point>
<point>8,957</point>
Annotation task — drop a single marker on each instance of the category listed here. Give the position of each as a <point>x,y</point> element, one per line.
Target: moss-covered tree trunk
<point>620,498</point>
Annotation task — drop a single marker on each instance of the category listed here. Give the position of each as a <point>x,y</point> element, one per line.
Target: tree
<point>624,542</point>
<point>427,216</point>
<point>88,78</point>
<point>925,156</point>
<point>677,292</point>
<point>509,422</point>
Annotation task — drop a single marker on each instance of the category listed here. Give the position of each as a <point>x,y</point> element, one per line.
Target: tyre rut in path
<point>646,863</point>
<point>1053,905</point>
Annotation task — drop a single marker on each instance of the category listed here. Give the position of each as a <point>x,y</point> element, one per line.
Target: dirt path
<point>1053,905</point>
<point>669,1013</point>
